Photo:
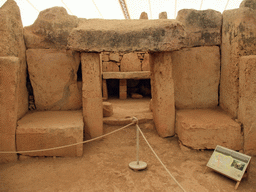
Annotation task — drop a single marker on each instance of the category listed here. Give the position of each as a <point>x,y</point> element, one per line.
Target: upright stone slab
<point>248,3</point>
<point>53,75</point>
<point>162,87</point>
<point>238,39</point>
<point>202,27</point>
<point>12,44</point>
<point>196,75</point>
<point>247,101</point>
<point>92,96</point>
<point>97,35</point>
<point>9,71</point>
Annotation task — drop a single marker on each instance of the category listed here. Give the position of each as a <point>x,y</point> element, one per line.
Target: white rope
<point>60,147</point>
<point>159,158</point>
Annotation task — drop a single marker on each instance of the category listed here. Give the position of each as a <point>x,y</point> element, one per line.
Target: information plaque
<point>229,163</point>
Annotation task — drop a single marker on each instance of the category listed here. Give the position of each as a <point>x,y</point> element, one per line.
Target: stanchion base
<point>142,165</point>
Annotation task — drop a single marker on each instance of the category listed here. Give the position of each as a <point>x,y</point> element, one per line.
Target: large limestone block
<point>51,29</point>
<point>49,129</point>
<point>145,63</point>
<point>9,75</point>
<point>247,101</point>
<point>53,75</point>
<point>130,62</point>
<point>248,3</point>
<point>97,35</point>
<point>196,75</point>
<point>238,39</point>
<point>206,128</point>
<point>92,95</point>
<point>12,44</point>
<point>202,27</point>
<point>162,93</point>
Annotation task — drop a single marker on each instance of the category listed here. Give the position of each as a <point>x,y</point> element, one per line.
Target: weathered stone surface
<point>238,39</point>
<point>202,27</point>
<point>48,129</point>
<point>127,75</point>
<point>9,76</point>
<point>143,15</point>
<point>248,3</point>
<point>12,44</point>
<point>247,102</point>
<point>163,15</point>
<point>136,96</point>
<point>145,63</point>
<point>97,35</point>
<point>196,75</point>
<point>92,95</point>
<point>105,58</point>
<point>114,57</point>
<point>110,67</point>
<point>162,93</point>
<point>107,109</point>
<point>50,30</point>
<point>130,62</point>
<point>53,75</point>
<point>206,128</point>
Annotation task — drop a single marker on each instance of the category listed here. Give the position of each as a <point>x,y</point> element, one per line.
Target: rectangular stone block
<point>196,75</point>
<point>130,62</point>
<point>49,129</point>
<point>207,128</point>
<point>203,27</point>
<point>127,75</point>
<point>92,95</point>
<point>12,44</point>
<point>9,77</point>
<point>145,63</point>
<point>122,85</point>
<point>97,35</point>
<point>123,95</point>
<point>110,67</point>
<point>53,75</point>
<point>238,39</point>
<point>162,87</point>
<point>247,102</point>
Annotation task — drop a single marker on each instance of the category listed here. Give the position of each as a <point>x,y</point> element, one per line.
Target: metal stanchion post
<point>137,165</point>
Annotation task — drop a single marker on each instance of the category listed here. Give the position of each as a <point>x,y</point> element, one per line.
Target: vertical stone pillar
<point>92,95</point>
<point>123,89</point>
<point>247,101</point>
<point>9,82</point>
<point>104,89</point>
<point>162,87</point>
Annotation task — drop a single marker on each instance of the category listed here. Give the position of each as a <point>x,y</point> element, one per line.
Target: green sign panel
<point>228,162</point>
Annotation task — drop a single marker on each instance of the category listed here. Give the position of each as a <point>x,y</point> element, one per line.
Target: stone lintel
<point>127,75</point>
<point>97,35</point>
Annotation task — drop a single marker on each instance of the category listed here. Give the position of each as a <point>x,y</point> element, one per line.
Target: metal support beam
<point>175,9</point>
<point>226,5</point>
<point>97,9</point>
<point>201,5</point>
<point>33,6</point>
<point>66,6</point>
<point>150,10</point>
<point>124,9</point>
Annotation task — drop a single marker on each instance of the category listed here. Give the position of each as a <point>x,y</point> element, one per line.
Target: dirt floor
<point>104,167</point>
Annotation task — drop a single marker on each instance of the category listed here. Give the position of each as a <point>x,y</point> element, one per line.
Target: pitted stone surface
<point>248,3</point>
<point>247,101</point>
<point>49,129</point>
<point>97,35</point>
<point>202,27</point>
<point>53,75</point>
<point>50,30</point>
<point>12,44</point>
<point>238,39</point>
<point>207,128</point>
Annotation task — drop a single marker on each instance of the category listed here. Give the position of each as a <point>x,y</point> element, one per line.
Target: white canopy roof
<point>111,9</point>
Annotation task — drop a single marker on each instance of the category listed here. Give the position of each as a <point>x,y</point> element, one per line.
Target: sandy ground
<point>104,167</point>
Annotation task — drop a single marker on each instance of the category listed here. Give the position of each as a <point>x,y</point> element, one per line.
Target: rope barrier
<point>159,158</point>
<point>70,145</point>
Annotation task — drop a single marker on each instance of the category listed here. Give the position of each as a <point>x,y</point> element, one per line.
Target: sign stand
<point>232,164</point>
